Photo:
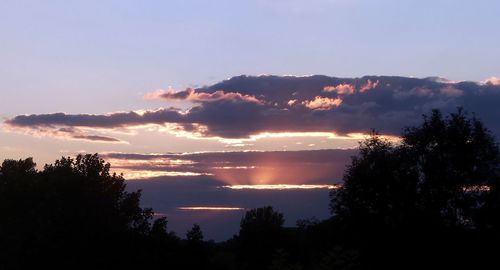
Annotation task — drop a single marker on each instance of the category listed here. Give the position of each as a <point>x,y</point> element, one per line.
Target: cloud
<point>67,133</point>
<point>341,89</point>
<point>309,173</point>
<point>121,119</point>
<point>291,102</point>
<point>322,103</point>
<point>369,86</point>
<point>95,138</point>
<point>246,106</point>
<point>167,194</point>
<point>241,167</point>
<point>201,97</point>
<point>451,91</point>
<point>492,81</point>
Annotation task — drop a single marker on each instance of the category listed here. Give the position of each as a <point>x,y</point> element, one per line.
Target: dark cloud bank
<point>246,105</point>
<point>166,194</point>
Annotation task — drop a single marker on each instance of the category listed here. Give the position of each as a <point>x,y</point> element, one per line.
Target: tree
<point>72,209</point>
<point>439,185</point>
<point>441,171</point>
<point>457,161</point>
<point>261,234</point>
<point>261,221</point>
<point>379,186</point>
<point>195,235</point>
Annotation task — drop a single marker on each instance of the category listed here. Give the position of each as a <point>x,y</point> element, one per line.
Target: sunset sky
<point>205,103</point>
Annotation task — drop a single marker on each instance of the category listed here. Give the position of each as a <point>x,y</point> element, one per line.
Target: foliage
<point>195,234</point>
<point>438,185</point>
<point>74,208</point>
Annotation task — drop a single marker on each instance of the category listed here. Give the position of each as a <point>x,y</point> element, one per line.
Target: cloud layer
<point>242,167</point>
<point>248,105</point>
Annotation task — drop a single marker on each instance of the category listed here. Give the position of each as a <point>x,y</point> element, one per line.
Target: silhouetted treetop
<point>20,167</point>
<point>258,219</point>
<point>74,205</point>
<point>441,173</point>
<point>194,234</point>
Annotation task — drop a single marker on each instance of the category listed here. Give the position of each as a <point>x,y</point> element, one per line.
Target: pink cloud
<point>201,97</point>
<point>247,106</point>
<point>451,91</point>
<point>369,86</point>
<point>341,89</point>
<point>492,81</point>
<point>322,103</point>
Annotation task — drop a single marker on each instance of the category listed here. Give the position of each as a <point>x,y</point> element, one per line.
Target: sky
<point>196,98</point>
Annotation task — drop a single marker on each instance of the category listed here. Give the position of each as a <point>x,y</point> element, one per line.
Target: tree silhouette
<point>436,186</point>
<point>261,234</point>
<point>456,159</point>
<point>195,235</point>
<point>263,219</point>
<point>72,209</point>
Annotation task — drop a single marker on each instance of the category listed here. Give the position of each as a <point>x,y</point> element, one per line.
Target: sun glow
<point>210,208</point>
<point>281,187</point>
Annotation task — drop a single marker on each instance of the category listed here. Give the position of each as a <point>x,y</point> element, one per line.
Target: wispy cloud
<point>201,97</point>
<point>63,132</point>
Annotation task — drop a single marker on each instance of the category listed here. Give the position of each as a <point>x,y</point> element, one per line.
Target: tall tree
<point>434,191</point>
<point>261,235</point>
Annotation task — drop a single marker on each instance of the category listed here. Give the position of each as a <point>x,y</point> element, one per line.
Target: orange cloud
<point>369,86</point>
<point>322,103</point>
<point>492,81</point>
<point>341,89</point>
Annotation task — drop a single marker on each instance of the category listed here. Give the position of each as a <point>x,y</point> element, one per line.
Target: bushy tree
<point>433,191</point>
<point>261,220</point>
<point>457,161</point>
<point>261,235</point>
<point>379,187</point>
<point>71,210</point>
<point>195,234</point>
<point>441,172</point>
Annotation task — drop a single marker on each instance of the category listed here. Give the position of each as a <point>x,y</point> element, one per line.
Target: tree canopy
<point>74,207</point>
<point>438,184</point>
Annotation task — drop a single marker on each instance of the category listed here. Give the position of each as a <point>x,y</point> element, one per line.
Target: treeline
<point>431,200</point>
